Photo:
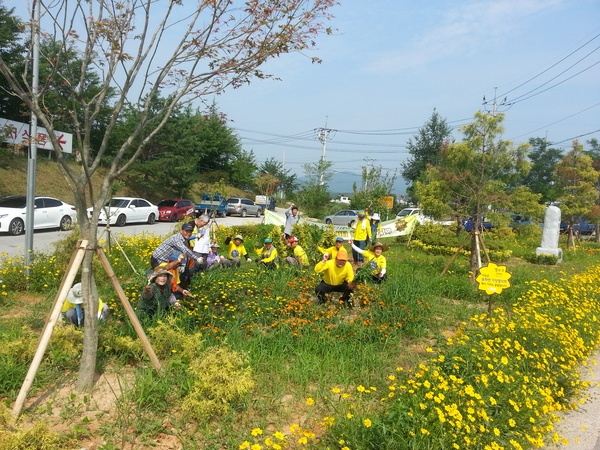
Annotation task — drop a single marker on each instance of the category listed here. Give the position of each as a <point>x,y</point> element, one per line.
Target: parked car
<point>265,202</point>
<point>121,210</point>
<point>211,204</point>
<point>48,212</point>
<point>344,218</point>
<point>174,209</point>
<point>243,207</point>
<point>580,226</point>
<point>484,225</point>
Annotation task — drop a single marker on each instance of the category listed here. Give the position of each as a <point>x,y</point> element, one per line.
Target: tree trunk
<point>87,369</point>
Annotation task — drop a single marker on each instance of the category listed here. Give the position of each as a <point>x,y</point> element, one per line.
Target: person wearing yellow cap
<point>338,276</point>
<point>362,234</point>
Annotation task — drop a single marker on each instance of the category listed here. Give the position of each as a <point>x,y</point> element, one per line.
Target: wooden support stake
<point>66,284</point>
<point>128,309</point>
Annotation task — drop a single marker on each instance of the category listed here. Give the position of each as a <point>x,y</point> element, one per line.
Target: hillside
<point>51,182</point>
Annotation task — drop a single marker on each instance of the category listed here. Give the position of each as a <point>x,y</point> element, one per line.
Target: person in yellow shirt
<point>267,255</point>
<point>375,263</point>
<point>338,276</point>
<point>299,257</point>
<point>72,309</point>
<point>333,250</point>
<point>236,250</point>
<point>362,233</point>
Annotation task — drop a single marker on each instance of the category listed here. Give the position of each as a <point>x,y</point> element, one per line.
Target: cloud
<point>466,29</point>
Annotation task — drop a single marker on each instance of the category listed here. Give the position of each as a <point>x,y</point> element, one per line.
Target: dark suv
<point>243,207</point>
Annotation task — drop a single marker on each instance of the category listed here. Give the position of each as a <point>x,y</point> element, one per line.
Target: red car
<point>174,209</point>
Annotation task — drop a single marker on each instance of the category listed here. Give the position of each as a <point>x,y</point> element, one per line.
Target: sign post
<point>493,279</point>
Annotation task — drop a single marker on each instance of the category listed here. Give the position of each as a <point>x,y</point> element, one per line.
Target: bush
<point>221,376</point>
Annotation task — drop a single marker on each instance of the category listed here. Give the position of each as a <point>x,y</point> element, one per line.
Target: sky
<point>390,63</point>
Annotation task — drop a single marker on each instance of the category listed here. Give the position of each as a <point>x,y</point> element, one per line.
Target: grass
<point>300,370</point>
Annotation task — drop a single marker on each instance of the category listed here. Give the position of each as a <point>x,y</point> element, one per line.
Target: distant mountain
<point>341,184</point>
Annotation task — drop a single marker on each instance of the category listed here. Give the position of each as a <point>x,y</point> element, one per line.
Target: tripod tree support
<point>63,290</point>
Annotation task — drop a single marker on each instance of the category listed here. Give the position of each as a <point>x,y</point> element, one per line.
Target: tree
<point>242,170</point>
<point>313,196</point>
<point>426,149</point>
<point>576,178</point>
<point>287,181</point>
<point>475,176</point>
<point>376,187</point>
<point>138,49</point>
<point>540,178</point>
<point>12,50</point>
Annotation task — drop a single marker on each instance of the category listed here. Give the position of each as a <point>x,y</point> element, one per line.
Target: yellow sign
<point>388,202</point>
<point>492,279</point>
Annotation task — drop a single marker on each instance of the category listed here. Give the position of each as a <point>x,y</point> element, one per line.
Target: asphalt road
<point>43,240</point>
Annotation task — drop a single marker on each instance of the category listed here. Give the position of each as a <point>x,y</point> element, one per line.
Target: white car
<point>121,210</point>
<point>48,212</point>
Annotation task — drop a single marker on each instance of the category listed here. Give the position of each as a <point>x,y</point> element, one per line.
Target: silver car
<point>243,207</point>
<point>345,218</point>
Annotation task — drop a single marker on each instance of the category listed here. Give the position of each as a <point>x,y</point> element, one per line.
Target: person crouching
<point>338,276</point>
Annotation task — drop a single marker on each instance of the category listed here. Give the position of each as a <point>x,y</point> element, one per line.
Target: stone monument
<point>550,234</point>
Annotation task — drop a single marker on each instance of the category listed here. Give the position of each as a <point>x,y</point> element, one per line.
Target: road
<point>43,240</point>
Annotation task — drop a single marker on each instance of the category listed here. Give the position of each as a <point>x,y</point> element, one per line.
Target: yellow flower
<point>310,401</point>
<point>257,432</point>
<point>360,388</point>
<point>256,447</point>
<point>244,445</point>
<point>367,423</point>
<point>349,415</point>
<point>279,435</point>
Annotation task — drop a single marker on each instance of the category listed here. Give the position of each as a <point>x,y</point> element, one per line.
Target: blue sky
<point>391,62</point>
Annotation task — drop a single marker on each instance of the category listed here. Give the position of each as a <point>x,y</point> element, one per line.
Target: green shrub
<point>221,377</point>
<point>548,260</point>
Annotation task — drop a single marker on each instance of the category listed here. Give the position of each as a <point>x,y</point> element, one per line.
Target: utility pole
<point>495,105</point>
<point>322,134</point>
<point>31,162</point>
<point>369,162</point>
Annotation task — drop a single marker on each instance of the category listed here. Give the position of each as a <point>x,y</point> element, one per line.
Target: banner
<point>390,228</point>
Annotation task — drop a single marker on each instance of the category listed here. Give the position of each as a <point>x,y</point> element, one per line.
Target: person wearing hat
<point>176,243</point>
<point>214,260</point>
<point>73,311</point>
<point>157,296</point>
<point>236,250</point>
<point>291,219</point>
<point>375,222</point>
<point>338,276</point>
<point>332,251</point>
<point>375,264</point>
<point>362,234</point>
<point>267,254</point>
<point>179,287</point>
<point>299,256</point>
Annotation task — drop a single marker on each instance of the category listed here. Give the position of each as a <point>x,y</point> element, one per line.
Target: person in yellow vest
<point>267,255</point>
<point>299,256</point>
<point>236,250</point>
<point>72,309</point>
<point>375,221</point>
<point>362,234</point>
<point>375,263</point>
<point>338,276</point>
<point>332,251</point>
